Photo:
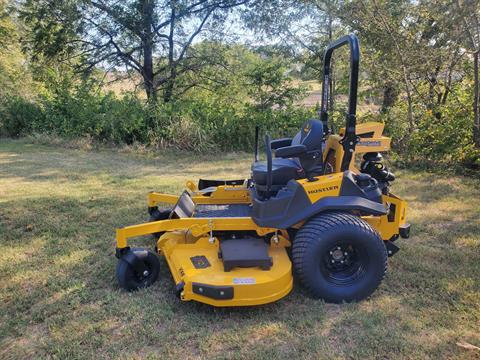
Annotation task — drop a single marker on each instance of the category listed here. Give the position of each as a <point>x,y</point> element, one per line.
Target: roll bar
<point>268,148</point>
<point>350,138</point>
<point>257,132</point>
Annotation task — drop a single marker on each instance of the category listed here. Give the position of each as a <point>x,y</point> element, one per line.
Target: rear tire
<point>129,280</point>
<point>339,257</point>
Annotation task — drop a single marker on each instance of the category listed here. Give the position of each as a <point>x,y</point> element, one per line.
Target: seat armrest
<point>291,151</point>
<point>279,143</point>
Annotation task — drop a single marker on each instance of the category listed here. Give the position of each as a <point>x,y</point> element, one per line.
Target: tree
<point>268,86</point>
<point>14,76</point>
<point>468,16</point>
<point>7,27</point>
<point>411,50</point>
<point>306,27</point>
<point>150,38</point>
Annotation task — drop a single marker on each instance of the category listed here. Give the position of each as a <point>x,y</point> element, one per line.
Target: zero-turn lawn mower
<point>307,207</point>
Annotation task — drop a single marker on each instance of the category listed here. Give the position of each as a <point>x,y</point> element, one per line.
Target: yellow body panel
<point>375,142</point>
<point>327,185</point>
<point>333,154</point>
<point>231,194</point>
<point>372,127</point>
<point>387,225</point>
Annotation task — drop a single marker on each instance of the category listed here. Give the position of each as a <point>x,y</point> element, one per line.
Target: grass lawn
<point>59,297</point>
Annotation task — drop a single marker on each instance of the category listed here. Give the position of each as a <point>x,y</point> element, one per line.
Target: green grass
<point>59,298</point>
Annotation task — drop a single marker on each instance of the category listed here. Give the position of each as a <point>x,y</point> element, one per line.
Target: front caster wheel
<point>138,268</point>
<point>339,257</point>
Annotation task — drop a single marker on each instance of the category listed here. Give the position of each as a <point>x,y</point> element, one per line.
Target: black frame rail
<point>350,138</point>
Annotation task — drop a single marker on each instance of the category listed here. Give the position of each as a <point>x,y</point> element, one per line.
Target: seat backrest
<point>310,135</point>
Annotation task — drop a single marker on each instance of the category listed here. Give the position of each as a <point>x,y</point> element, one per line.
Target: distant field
<point>130,85</point>
<point>312,98</point>
<point>59,298</point>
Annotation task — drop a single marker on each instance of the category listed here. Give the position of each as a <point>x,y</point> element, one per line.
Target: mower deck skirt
<point>198,266</point>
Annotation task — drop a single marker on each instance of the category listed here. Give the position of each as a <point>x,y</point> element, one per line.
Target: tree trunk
<point>149,87</point>
<point>433,99</point>
<point>390,95</point>
<point>147,45</point>
<point>476,120</point>
<point>168,90</point>
<point>410,113</point>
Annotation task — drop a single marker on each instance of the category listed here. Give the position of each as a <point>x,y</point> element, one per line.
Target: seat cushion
<point>283,170</point>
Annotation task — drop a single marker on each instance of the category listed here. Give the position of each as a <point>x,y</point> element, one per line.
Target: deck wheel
<point>130,277</point>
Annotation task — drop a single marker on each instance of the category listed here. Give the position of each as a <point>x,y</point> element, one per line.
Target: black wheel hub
<point>340,256</point>
<point>143,276</point>
<point>343,264</point>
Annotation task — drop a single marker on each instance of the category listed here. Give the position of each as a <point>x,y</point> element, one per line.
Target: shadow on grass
<point>68,165</point>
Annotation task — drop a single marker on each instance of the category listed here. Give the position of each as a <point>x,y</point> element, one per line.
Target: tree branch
<point>194,34</point>
<point>114,16</point>
<point>127,56</point>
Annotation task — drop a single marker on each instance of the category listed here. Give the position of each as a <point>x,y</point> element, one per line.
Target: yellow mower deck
<point>238,287</point>
<point>185,241</point>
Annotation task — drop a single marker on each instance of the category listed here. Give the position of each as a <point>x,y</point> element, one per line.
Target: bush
<point>75,114</point>
<point>104,117</point>
<point>201,124</point>
<point>442,137</point>
<point>18,116</point>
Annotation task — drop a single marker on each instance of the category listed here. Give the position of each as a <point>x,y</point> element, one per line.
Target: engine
<point>372,164</point>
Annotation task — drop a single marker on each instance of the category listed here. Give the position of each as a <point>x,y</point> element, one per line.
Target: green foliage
<point>7,27</point>
<point>197,125</point>
<point>267,84</point>
<point>443,136</point>
<point>80,112</point>
<point>76,112</point>
<point>52,29</point>
<point>15,78</point>
<point>219,115</point>
<point>18,116</point>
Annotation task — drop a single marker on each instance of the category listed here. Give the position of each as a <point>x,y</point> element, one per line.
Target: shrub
<point>18,116</point>
<point>442,137</point>
<point>104,117</point>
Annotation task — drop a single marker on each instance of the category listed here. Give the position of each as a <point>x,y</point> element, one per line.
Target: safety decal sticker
<point>244,281</point>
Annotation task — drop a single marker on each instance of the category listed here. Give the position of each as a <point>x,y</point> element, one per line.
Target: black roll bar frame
<point>350,138</point>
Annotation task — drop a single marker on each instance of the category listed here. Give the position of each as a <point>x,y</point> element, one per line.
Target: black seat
<point>283,170</point>
<point>286,169</point>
